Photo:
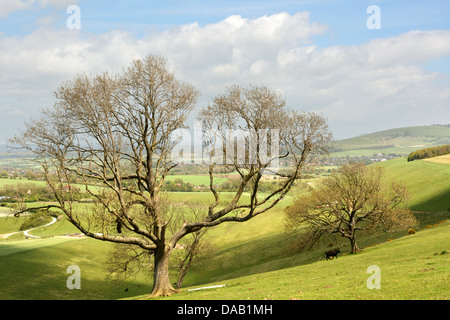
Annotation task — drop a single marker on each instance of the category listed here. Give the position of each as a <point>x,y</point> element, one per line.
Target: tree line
<point>429,152</point>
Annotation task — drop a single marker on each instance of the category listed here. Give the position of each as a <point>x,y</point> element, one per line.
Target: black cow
<point>332,253</point>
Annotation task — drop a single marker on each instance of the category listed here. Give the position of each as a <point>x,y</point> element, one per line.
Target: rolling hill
<point>250,258</point>
<point>427,181</point>
<point>400,141</point>
<point>412,267</point>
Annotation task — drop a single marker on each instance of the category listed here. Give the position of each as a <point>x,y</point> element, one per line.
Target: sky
<point>364,65</point>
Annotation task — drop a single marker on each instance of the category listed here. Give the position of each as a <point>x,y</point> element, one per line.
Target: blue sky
<point>319,54</point>
<point>346,18</point>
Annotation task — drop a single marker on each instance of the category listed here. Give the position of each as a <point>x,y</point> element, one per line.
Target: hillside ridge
<point>400,141</point>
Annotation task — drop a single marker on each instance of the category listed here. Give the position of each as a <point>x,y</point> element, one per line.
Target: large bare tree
<point>355,198</point>
<point>117,133</point>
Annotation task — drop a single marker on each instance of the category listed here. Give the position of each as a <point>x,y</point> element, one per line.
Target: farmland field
<point>196,179</point>
<point>4,182</point>
<point>445,159</point>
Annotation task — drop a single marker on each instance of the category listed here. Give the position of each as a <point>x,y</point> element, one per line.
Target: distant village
<point>336,161</point>
<point>36,175</point>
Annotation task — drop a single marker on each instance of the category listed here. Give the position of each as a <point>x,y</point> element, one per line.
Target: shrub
<point>411,231</point>
<point>37,219</point>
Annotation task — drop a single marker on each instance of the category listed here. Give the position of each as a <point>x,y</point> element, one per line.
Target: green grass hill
<point>251,257</point>
<point>428,182</point>
<point>412,267</point>
<point>398,141</point>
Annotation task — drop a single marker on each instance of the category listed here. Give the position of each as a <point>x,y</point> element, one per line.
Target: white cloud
<point>409,48</point>
<point>9,6</point>
<point>360,88</point>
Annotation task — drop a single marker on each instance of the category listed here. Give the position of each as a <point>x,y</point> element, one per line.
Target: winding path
<point>26,232</point>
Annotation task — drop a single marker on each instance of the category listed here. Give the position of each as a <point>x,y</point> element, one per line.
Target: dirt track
<point>26,232</point>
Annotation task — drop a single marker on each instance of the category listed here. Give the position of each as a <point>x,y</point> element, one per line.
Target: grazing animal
<point>332,253</point>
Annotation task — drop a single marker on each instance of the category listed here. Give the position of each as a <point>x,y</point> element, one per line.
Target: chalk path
<point>26,232</point>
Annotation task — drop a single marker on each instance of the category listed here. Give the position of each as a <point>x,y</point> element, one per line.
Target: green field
<point>196,179</point>
<point>412,267</point>
<point>40,271</point>
<point>251,258</point>
<point>4,181</point>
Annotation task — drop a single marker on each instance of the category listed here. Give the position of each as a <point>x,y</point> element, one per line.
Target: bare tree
<point>355,198</point>
<point>126,261</point>
<point>197,248</point>
<point>116,134</point>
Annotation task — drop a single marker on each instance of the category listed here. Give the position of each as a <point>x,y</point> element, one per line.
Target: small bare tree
<point>353,199</point>
<point>115,133</point>
<point>191,252</point>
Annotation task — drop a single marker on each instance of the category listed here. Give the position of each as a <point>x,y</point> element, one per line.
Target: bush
<point>36,219</point>
<point>411,231</point>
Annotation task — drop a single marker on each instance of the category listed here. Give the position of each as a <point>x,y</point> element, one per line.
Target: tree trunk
<point>161,281</point>
<point>352,236</point>
<point>354,246</point>
<point>183,270</point>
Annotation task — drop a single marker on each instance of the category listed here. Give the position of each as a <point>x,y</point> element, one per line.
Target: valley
<point>253,259</point>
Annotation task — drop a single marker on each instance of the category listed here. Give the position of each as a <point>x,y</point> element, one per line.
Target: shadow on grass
<point>438,203</point>
<point>41,274</point>
<point>269,253</point>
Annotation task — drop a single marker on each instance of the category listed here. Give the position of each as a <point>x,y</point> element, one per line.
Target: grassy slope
<point>40,272</point>
<point>412,267</point>
<point>400,141</point>
<point>258,246</point>
<point>243,252</point>
<point>445,159</point>
<point>428,183</point>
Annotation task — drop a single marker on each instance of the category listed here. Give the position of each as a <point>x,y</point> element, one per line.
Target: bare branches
<point>115,135</point>
<point>266,133</point>
<point>112,132</point>
<point>353,198</point>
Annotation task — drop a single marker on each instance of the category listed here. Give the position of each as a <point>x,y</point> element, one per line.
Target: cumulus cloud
<point>236,45</point>
<point>358,87</point>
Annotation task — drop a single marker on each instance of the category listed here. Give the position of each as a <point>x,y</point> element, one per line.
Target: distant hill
<point>400,141</point>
